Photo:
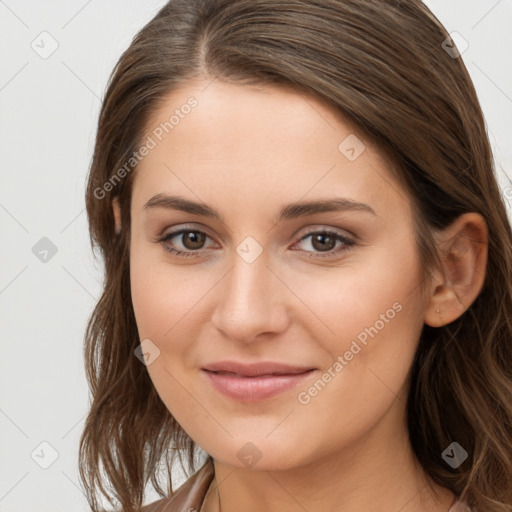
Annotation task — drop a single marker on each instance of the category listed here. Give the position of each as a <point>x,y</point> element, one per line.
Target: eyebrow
<point>287,212</point>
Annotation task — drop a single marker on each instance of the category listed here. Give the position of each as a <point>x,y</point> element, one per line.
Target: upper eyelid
<point>300,232</point>
<point>180,230</point>
<point>322,228</point>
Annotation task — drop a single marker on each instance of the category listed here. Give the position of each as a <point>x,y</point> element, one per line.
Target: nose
<point>252,302</point>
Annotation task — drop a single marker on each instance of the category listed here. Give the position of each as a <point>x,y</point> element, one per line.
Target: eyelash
<point>187,254</point>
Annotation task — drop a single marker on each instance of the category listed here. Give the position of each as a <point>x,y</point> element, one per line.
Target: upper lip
<point>256,369</point>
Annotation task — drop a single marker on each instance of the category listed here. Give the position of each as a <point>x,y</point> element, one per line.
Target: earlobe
<point>463,251</point>
<point>117,214</point>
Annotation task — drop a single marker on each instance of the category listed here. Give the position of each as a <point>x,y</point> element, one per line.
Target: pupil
<point>193,240</point>
<point>322,239</point>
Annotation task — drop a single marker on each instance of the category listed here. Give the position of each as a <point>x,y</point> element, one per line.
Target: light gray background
<point>49,108</point>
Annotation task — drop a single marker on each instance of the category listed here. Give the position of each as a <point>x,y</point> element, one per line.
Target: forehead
<point>258,144</point>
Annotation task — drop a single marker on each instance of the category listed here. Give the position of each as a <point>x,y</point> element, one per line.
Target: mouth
<point>256,382</point>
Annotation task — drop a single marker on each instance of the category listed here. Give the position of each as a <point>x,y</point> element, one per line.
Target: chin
<point>261,454</point>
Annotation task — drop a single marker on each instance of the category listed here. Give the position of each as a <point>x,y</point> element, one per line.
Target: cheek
<point>365,298</point>
<point>162,295</point>
<point>368,318</point>
<point>375,313</point>
<point>166,304</point>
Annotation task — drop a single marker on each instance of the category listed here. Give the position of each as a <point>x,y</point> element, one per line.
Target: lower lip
<point>254,389</point>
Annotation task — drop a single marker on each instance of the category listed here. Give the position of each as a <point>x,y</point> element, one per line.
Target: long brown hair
<point>383,66</point>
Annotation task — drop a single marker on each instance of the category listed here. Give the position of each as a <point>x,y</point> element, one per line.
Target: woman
<point>307,266</point>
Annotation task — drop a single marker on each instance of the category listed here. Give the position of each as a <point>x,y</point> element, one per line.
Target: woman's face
<point>300,266</point>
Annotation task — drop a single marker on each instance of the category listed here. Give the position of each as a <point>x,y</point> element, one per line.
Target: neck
<point>376,472</point>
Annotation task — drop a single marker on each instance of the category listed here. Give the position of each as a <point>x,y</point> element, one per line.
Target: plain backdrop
<point>55,61</point>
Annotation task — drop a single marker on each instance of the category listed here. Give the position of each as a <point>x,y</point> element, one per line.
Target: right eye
<point>191,241</point>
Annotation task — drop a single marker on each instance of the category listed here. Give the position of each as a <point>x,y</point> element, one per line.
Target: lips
<point>254,382</point>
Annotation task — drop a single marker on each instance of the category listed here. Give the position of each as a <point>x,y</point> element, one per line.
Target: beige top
<point>190,496</point>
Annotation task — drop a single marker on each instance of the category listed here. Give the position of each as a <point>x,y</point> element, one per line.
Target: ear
<point>463,250</point>
<point>117,214</point>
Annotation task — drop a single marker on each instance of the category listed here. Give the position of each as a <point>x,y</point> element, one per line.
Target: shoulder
<point>189,496</point>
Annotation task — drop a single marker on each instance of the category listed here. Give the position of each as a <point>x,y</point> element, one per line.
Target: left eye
<point>325,241</point>
<point>322,242</point>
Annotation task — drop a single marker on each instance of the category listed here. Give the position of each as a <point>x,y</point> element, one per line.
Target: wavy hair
<point>382,66</point>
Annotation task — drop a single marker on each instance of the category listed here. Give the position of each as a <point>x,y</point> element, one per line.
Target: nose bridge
<point>250,303</point>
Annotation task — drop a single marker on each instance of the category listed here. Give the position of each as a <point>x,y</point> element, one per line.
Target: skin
<point>246,152</point>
